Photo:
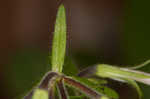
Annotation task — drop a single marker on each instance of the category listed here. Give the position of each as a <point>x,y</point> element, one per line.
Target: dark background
<point>99,31</point>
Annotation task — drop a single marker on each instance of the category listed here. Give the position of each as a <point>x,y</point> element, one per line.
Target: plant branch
<point>62,90</point>
<point>83,88</point>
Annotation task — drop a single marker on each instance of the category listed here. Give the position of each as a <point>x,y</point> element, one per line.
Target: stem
<point>83,88</point>
<point>62,90</point>
<point>47,79</point>
<point>52,92</point>
<point>140,66</point>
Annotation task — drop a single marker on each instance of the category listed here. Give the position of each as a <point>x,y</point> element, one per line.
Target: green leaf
<point>108,71</point>
<point>40,94</point>
<point>59,41</point>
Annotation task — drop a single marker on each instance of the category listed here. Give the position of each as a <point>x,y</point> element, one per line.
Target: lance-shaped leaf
<point>109,71</point>
<point>59,41</point>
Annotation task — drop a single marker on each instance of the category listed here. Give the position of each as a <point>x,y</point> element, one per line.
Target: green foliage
<point>98,86</point>
<point>69,67</point>
<point>109,71</point>
<point>87,84</point>
<point>40,94</point>
<point>59,41</point>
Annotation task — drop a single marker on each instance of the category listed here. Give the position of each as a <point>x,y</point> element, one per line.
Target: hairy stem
<point>62,90</point>
<point>83,88</point>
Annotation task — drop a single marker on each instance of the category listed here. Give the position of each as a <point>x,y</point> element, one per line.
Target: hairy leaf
<point>59,41</point>
<point>109,71</point>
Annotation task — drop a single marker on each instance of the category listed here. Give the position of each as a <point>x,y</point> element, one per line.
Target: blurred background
<point>99,31</point>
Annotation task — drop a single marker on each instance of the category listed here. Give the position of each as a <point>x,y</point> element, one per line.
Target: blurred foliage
<point>27,69</point>
<point>29,66</point>
<point>135,45</point>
